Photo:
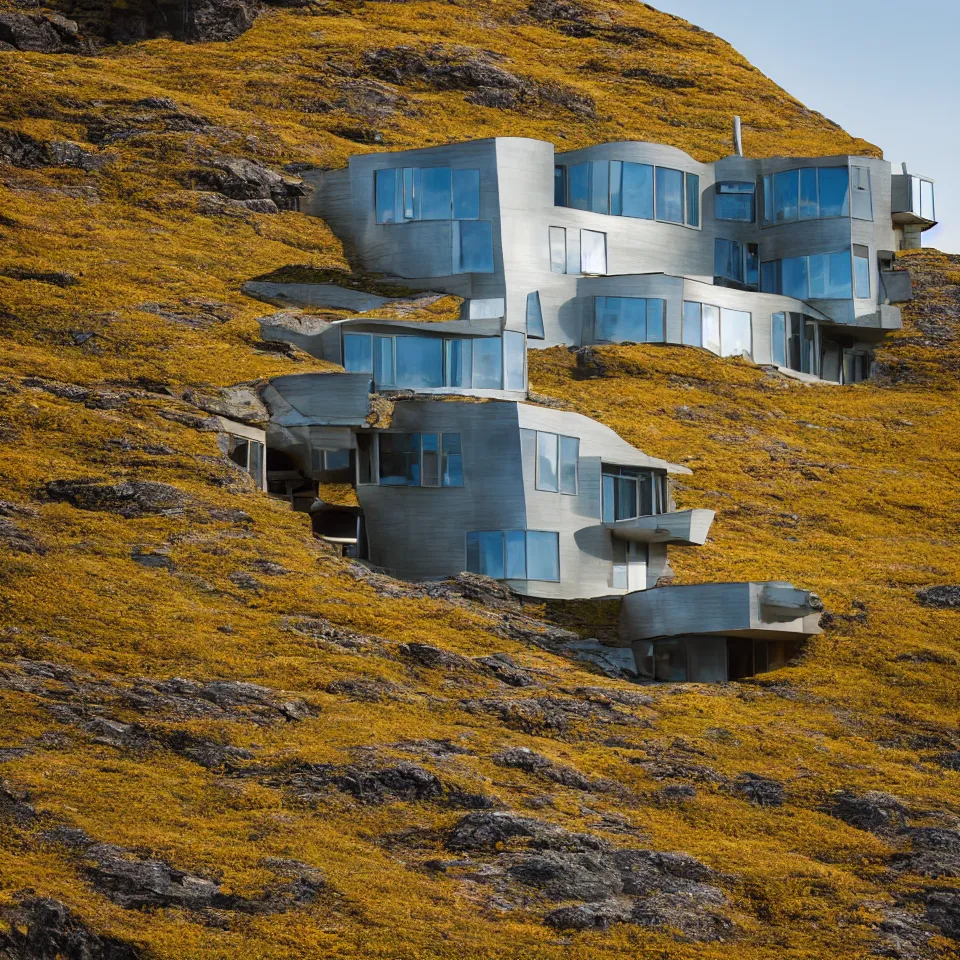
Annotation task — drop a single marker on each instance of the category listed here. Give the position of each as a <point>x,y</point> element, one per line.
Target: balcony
<point>687,528</point>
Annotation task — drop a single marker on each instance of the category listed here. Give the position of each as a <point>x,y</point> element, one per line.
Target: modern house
<point>446,464</point>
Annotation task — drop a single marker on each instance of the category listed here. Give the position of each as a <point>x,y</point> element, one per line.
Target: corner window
<point>737,262</point>
<point>534,317</point>
<point>514,554</point>
<point>593,252</point>
<point>472,246</point>
<point>629,492</point>
<point>861,271</point>
<point>736,201</point>
<point>419,460</point>
<point>701,326</point>
<point>810,193</point>
<point>629,319</point>
<point>426,193</point>
<point>669,193</point>
<point>558,250</point>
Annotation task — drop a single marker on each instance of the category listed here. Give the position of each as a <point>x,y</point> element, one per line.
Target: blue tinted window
<point>383,368</point>
<point>655,321</point>
<point>621,318</point>
<point>691,324</point>
<point>474,246</point>
<point>770,276</point>
<point>861,270</point>
<point>735,201</point>
<point>559,187</point>
<point>593,252</point>
<point>834,192</point>
<point>616,183</point>
<point>514,355</point>
<point>768,199</point>
<point>669,195</point>
<point>637,190</point>
<point>728,259</point>
<point>778,339</point>
<point>411,193</point>
<point>578,185</point>
<point>435,193</point>
<point>794,278</point>
<point>543,555</point>
<point>400,459</point>
<point>459,362</point>
<point>534,317</point>
<point>751,264</point>
<point>419,362</point>
<point>693,200</point>
<point>600,186</point>
<point>809,194</point>
<point>485,553</point>
<point>357,353</point>
<point>487,366</point>
<point>839,279</point>
<point>569,457</point>
<point>785,197</point>
<point>386,190</point>
<point>430,459</point>
<point>452,463</point>
<point>516,555</point>
<point>466,194</point>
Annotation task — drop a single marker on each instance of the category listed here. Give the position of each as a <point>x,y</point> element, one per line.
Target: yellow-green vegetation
<point>853,492</point>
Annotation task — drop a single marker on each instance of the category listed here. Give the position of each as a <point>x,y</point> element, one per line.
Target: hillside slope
<point>217,740</point>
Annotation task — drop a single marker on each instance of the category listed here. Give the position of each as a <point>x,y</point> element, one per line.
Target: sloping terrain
<point>218,740</point>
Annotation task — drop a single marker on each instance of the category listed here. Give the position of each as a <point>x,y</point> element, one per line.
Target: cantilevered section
<point>684,528</point>
<point>717,631</point>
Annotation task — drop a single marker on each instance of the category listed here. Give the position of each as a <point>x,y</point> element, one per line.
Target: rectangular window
<point>435,193</point>
<point>411,193</point>
<point>485,553</point>
<point>472,246</point>
<point>514,357</point>
<point>419,362</point>
<point>794,278</point>
<point>578,186</point>
<point>593,252</point>
<point>619,493</point>
<point>728,260</point>
<point>809,194</point>
<point>629,319</point>
<point>357,353</point>
<point>558,249</point>
<point>785,196</point>
<point>385,188</point>
<point>400,459</point>
<point>794,343</point>
<point>365,459</point>
<point>692,334</point>
<point>255,462</point>
<point>548,462</point>
<point>693,200</point>
<point>862,204</point>
<point>534,317</point>
<point>487,363</point>
<point>811,355</point>
<point>830,277</point>
<point>616,185</point>
<point>768,199</point>
<point>669,184</point>
<point>516,560</point>
<point>927,209</point>
<point>559,186</point>
<point>656,320</point>
<point>569,458</point>
<point>459,363</point>
<point>751,265</point>
<point>451,461</point>
<point>466,194</point>
<point>735,333</point>
<point>770,281</point>
<point>543,555</point>
<point>778,339</point>
<point>711,328</point>
<point>637,190</point>
<point>861,271</point>
<point>430,459</point>
<point>834,192</point>
<point>736,201</point>
<point>599,197</point>
<point>384,369</point>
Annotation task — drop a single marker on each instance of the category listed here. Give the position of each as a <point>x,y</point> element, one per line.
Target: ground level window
<point>514,554</point>
<point>419,460</point>
<point>248,455</point>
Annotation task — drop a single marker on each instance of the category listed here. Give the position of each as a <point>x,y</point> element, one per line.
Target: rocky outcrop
<point>238,178</point>
<point>47,32</point>
<point>30,153</point>
<point>129,498</point>
<point>946,597</point>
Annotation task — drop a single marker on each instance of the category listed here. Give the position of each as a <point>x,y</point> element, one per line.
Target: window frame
<point>407,183</point>
<point>441,471</point>
<point>606,263</point>
<point>505,563</point>
<point>752,193</point>
<point>768,209</point>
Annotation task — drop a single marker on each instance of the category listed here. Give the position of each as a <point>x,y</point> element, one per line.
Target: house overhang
<point>682,528</point>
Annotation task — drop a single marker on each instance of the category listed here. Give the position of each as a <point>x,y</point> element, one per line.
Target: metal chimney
<point>737,137</point>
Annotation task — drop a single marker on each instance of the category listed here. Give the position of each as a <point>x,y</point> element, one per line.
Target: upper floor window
<point>472,246</point>
<point>557,459</point>
<point>514,554</point>
<point>426,193</point>
<point>637,319</point>
<point>629,492</point>
<point>810,193</point>
<point>921,198</point>
<point>736,201</point>
<point>593,252</point>
<point>824,276</point>
<point>558,249</point>
<point>861,271</point>
<point>414,362</point>
<point>420,460</point>
<point>736,261</point>
<point>534,317</point>
<point>625,189</point>
<point>728,333</point>
<point>860,192</point>
<point>329,461</point>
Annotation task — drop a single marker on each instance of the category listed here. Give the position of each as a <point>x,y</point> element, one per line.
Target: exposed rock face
<point>43,929</point>
<point>12,535</point>
<point>240,179</point>
<point>935,854</point>
<point>761,791</point>
<point>38,33</point>
<point>522,758</point>
<point>945,597</point>
<point>129,499</point>
<point>874,811</point>
<point>22,150</point>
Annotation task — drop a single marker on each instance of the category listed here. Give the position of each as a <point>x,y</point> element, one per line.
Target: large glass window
<point>834,191</point>
<point>692,331</point>
<point>736,201</point>
<point>357,353</point>
<point>636,191</point>
<point>384,366</point>
<point>669,184</point>
<point>735,333</point>
<point>593,252</point>
<point>795,282</point>
<point>459,363</point>
<point>420,459</point>
<point>578,186</point>
<point>514,554</point>
<point>629,492</point>
<point>701,325</point>
<point>830,276</point>
<point>861,271</point>
<point>636,319</point>
<point>487,363</point>
<point>472,246</point>
<point>809,193</point>
<point>778,339</point>
<point>558,249</point>
<point>534,317</point>
<point>728,259</point>
<point>548,462</point>
<point>426,193</point>
<point>419,361</point>
<point>514,358</point>
<point>786,196</point>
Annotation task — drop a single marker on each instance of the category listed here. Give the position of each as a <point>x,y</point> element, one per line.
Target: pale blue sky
<point>886,70</point>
